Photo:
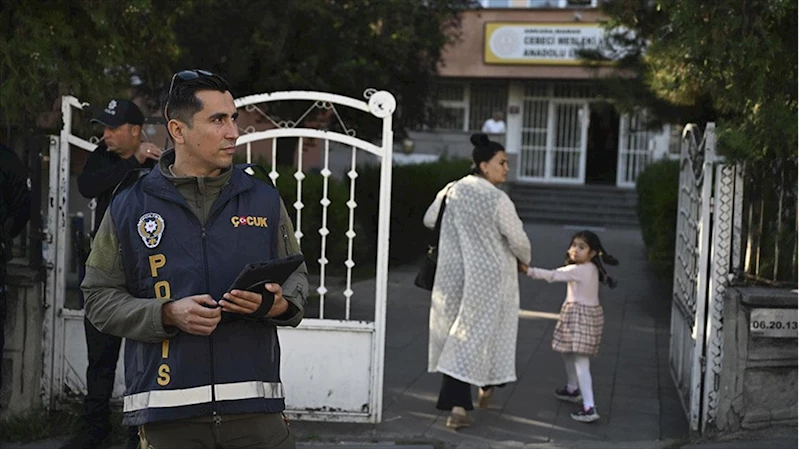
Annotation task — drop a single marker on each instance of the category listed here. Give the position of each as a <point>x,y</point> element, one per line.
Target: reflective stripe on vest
<point>198,395</point>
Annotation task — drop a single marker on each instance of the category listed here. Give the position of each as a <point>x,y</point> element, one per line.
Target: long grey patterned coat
<point>474,312</point>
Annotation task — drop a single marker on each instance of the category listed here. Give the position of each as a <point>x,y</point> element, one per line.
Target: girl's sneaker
<point>586,415</point>
<point>564,395</point>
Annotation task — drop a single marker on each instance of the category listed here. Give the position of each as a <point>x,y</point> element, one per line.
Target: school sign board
<point>539,43</point>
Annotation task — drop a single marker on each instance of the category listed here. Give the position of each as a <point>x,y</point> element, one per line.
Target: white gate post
<point>725,257</point>
<point>701,281</point>
<point>49,248</point>
<point>382,105</point>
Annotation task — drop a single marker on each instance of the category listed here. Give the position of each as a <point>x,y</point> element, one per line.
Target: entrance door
<point>567,158</point>
<point>635,147</point>
<point>603,144</point>
<point>553,141</point>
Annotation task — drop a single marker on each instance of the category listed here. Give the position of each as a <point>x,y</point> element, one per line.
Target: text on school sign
<point>539,43</point>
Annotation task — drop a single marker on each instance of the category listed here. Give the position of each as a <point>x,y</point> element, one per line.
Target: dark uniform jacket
<point>167,250</point>
<point>103,171</point>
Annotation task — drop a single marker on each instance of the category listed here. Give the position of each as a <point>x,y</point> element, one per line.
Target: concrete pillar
<point>22,354</point>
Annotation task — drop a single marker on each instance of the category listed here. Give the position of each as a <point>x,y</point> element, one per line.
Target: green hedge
<point>311,216</point>
<point>658,194</point>
<point>413,189</point>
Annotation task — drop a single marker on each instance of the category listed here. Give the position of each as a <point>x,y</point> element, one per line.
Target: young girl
<point>579,329</point>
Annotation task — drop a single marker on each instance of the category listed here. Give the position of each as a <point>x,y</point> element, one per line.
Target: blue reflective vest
<point>168,253</point>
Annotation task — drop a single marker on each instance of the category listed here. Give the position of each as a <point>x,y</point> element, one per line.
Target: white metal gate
<point>707,253</point>
<point>554,141</point>
<point>332,369</point>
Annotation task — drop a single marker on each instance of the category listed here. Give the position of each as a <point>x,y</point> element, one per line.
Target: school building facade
<point>519,57</point>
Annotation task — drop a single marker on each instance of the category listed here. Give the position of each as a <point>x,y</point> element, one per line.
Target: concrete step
<point>586,205</point>
<point>563,218</point>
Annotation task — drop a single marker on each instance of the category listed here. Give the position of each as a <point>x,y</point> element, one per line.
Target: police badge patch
<point>151,227</point>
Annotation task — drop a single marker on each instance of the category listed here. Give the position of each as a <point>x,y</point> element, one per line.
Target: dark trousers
<point>103,352</point>
<point>250,431</point>
<point>456,393</point>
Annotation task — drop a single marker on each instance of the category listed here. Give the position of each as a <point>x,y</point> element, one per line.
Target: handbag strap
<point>437,229</point>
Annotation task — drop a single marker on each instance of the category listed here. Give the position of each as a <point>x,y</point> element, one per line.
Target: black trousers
<point>456,393</point>
<point>103,352</point>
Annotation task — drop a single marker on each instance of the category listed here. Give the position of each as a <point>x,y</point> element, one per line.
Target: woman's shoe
<point>456,421</point>
<point>484,397</point>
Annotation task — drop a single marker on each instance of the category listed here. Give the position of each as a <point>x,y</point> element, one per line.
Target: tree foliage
<point>86,48</point>
<point>724,60</point>
<point>338,46</point>
<point>93,49</point>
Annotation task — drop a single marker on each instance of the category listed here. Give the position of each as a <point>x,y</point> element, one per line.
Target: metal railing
<point>770,223</point>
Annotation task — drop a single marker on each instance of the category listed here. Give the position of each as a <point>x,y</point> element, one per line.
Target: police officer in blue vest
<point>202,365</point>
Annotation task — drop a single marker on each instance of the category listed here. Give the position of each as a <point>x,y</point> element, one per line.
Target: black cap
<point>118,112</point>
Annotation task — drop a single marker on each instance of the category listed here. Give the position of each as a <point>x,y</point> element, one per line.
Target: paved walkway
<point>633,388</point>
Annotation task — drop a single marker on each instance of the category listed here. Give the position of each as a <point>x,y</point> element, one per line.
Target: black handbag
<point>427,273</point>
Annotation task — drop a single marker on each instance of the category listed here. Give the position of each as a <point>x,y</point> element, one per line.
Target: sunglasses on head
<point>184,75</point>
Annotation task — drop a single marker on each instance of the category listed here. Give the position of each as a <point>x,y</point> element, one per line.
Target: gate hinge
<point>702,360</point>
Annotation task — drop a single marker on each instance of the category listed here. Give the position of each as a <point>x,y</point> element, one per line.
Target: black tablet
<point>255,275</point>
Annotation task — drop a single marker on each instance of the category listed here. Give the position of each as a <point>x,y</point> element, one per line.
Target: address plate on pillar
<point>775,323</point>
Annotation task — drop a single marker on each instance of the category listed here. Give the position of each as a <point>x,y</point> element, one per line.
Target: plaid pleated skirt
<point>579,329</point>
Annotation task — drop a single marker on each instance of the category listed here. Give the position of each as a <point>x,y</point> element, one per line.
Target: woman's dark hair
<point>600,259</point>
<point>484,150</point>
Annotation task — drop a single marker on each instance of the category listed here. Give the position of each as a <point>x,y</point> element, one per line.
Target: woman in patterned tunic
<point>579,330</point>
<point>475,300</point>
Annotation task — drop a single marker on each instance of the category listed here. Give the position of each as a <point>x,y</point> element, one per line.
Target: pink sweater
<point>583,279</point>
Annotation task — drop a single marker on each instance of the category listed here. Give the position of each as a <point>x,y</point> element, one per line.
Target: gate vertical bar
<point>381,291</point>
<point>737,230</point>
<point>298,205</point>
<point>62,211</point>
<point>324,231</point>
<point>49,248</point>
<point>722,237</point>
<point>697,363</point>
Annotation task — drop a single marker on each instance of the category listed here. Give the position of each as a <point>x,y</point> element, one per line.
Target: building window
<point>452,106</point>
<point>466,106</point>
<point>484,100</point>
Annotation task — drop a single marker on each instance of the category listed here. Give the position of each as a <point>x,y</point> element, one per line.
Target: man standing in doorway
<point>494,125</point>
<point>120,152</point>
<point>202,363</point>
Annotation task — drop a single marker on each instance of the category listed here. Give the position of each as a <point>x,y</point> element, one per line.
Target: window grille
<point>451,107</point>
<point>484,100</point>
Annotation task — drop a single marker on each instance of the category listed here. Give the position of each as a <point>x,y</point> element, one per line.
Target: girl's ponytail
<point>604,277</point>
<point>607,258</point>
